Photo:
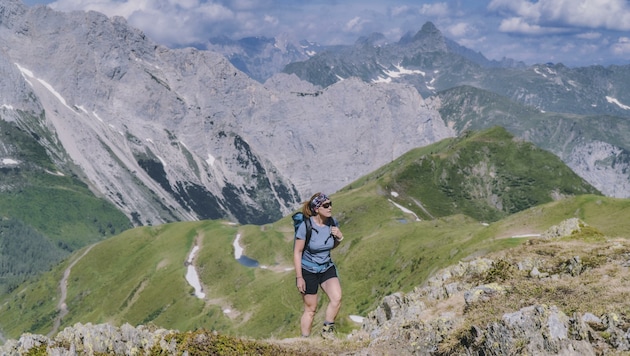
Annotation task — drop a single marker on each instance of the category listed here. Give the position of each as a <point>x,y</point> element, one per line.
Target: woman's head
<point>319,203</point>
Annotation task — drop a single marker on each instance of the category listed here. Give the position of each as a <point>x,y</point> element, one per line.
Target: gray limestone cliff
<point>169,135</point>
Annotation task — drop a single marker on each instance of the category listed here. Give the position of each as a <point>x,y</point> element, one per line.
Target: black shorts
<point>313,280</point>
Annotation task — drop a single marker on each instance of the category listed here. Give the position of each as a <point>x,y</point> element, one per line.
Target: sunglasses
<point>327,205</point>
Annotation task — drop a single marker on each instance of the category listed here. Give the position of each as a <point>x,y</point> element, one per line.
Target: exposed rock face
<point>261,57</point>
<point>404,323</point>
<point>93,339</point>
<point>171,135</point>
<point>565,228</point>
<point>433,319</point>
<point>603,165</point>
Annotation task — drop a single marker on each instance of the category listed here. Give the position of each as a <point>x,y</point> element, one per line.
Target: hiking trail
<point>63,286</point>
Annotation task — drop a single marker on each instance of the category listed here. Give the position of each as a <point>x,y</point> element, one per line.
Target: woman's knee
<point>336,299</point>
<point>333,290</point>
<point>310,304</point>
<point>310,309</point>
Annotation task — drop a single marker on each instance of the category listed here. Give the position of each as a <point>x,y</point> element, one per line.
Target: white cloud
<point>170,22</point>
<point>355,25</point>
<point>437,9</point>
<point>461,29</point>
<point>215,12</point>
<point>271,20</point>
<point>475,42</point>
<point>400,10</point>
<point>519,25</point>
<point>109,8</point>
<point>622,46</point>
<point>589,35</point>
<point>530,17</point>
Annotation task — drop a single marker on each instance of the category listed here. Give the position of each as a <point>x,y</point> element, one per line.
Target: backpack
<point>298,218</point>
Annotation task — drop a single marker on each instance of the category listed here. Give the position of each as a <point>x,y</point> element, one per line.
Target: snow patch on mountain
<point>9,161</point>
<point>50,88</point>
<point>612,100</point>
<point>192,277</point>
<point>399,72</point>
<point>404,210</point>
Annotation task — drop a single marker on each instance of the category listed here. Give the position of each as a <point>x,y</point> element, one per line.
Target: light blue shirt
<point>317,253</point>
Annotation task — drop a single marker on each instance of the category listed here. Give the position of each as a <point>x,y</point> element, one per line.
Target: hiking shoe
<point>328,331</point>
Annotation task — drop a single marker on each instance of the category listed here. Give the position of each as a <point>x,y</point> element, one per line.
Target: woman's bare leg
<point>310,307</point>
<point>332,287</point>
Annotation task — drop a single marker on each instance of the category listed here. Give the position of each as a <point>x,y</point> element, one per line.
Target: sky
<point>573,32</point>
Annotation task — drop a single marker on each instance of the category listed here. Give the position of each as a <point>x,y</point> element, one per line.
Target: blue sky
<point>573,32</point>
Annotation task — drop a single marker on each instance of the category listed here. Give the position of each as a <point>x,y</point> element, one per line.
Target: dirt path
<point>63,286</point>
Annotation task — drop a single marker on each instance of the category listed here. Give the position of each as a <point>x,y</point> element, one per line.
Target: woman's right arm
<point>297,263</point>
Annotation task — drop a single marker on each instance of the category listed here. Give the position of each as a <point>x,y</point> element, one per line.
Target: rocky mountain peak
<point>428,29</point>
<point>429,39</point>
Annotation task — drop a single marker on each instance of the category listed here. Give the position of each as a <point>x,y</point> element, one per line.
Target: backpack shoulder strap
<point>309,231</point>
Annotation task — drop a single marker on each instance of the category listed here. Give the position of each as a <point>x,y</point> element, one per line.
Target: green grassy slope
<point>45,215</point>
<point>486,175</point>
<point>139,276</point>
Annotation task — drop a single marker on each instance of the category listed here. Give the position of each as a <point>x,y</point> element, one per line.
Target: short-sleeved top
<point>318,250</point>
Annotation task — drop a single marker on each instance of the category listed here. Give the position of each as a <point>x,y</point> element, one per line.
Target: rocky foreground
<point>553,295</point>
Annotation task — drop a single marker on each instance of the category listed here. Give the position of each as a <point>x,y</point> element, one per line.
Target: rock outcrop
<point>438,319</point>
<point>94,339</point>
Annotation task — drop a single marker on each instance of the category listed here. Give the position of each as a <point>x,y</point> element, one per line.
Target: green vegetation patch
<point>486,175</point>
<point>45,214</point>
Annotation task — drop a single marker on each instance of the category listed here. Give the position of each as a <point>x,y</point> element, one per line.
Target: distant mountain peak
<point>375,39</point>
<point>429,38</point>
<point>428,29</point>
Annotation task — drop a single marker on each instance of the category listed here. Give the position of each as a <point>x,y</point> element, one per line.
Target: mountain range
<point>579,114</point>
<point>169,135</point>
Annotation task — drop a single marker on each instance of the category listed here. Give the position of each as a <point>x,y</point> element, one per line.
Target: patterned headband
<point>318,201</point>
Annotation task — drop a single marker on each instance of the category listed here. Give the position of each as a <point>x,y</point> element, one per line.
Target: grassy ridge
<point>107,285</point>
<point>486,175</point>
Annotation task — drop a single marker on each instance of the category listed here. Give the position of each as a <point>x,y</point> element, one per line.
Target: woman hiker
<point>313,265</point>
